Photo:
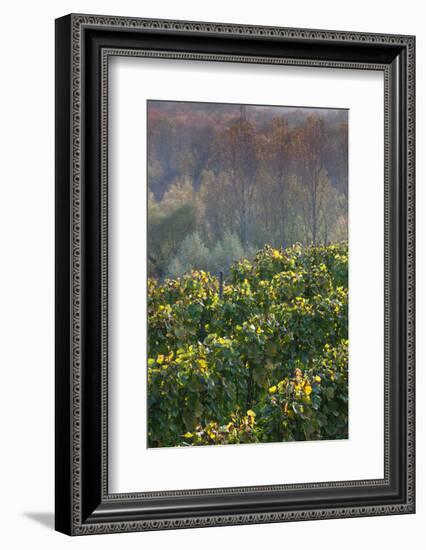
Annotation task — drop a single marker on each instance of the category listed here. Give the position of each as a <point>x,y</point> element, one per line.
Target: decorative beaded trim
<point>80,21</point>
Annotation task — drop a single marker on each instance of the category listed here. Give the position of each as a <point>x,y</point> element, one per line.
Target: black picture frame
<point>83,504</point>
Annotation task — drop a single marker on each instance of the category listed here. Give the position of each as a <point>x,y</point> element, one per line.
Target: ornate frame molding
<point>71,44</point>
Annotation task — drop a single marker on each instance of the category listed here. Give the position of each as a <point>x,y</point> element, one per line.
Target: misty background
<point>224,180</point>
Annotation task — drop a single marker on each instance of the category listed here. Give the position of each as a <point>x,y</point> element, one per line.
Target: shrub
<point>267,361</point>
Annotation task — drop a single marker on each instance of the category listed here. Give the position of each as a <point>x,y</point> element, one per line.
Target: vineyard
<point>263,359</point>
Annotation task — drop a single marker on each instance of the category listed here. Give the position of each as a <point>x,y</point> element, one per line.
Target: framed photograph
<point>234,274</point>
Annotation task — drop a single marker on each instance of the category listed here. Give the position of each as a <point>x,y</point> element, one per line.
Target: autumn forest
<point>225,179</point>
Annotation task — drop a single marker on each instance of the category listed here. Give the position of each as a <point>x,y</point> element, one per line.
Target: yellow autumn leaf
<point>202,364</point>
<point>307,389</point>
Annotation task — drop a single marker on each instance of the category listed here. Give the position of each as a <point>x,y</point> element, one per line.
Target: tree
<point>215,207</point>
<point>279,153</point>
<point>180,192</point>
<point>309,142</point>
<point>192,254</point>
<point>336,157</point>
<point>162,151</point>
<point>226,252</point>
<point>333,212</point>
<point>240,154</point>
<point>166,232</point>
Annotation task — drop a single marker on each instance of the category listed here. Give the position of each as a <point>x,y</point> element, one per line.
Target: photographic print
<point>247,261</point>
<point>203,268</point>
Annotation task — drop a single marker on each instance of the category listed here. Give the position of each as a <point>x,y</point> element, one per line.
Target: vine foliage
<point>265,360</point>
